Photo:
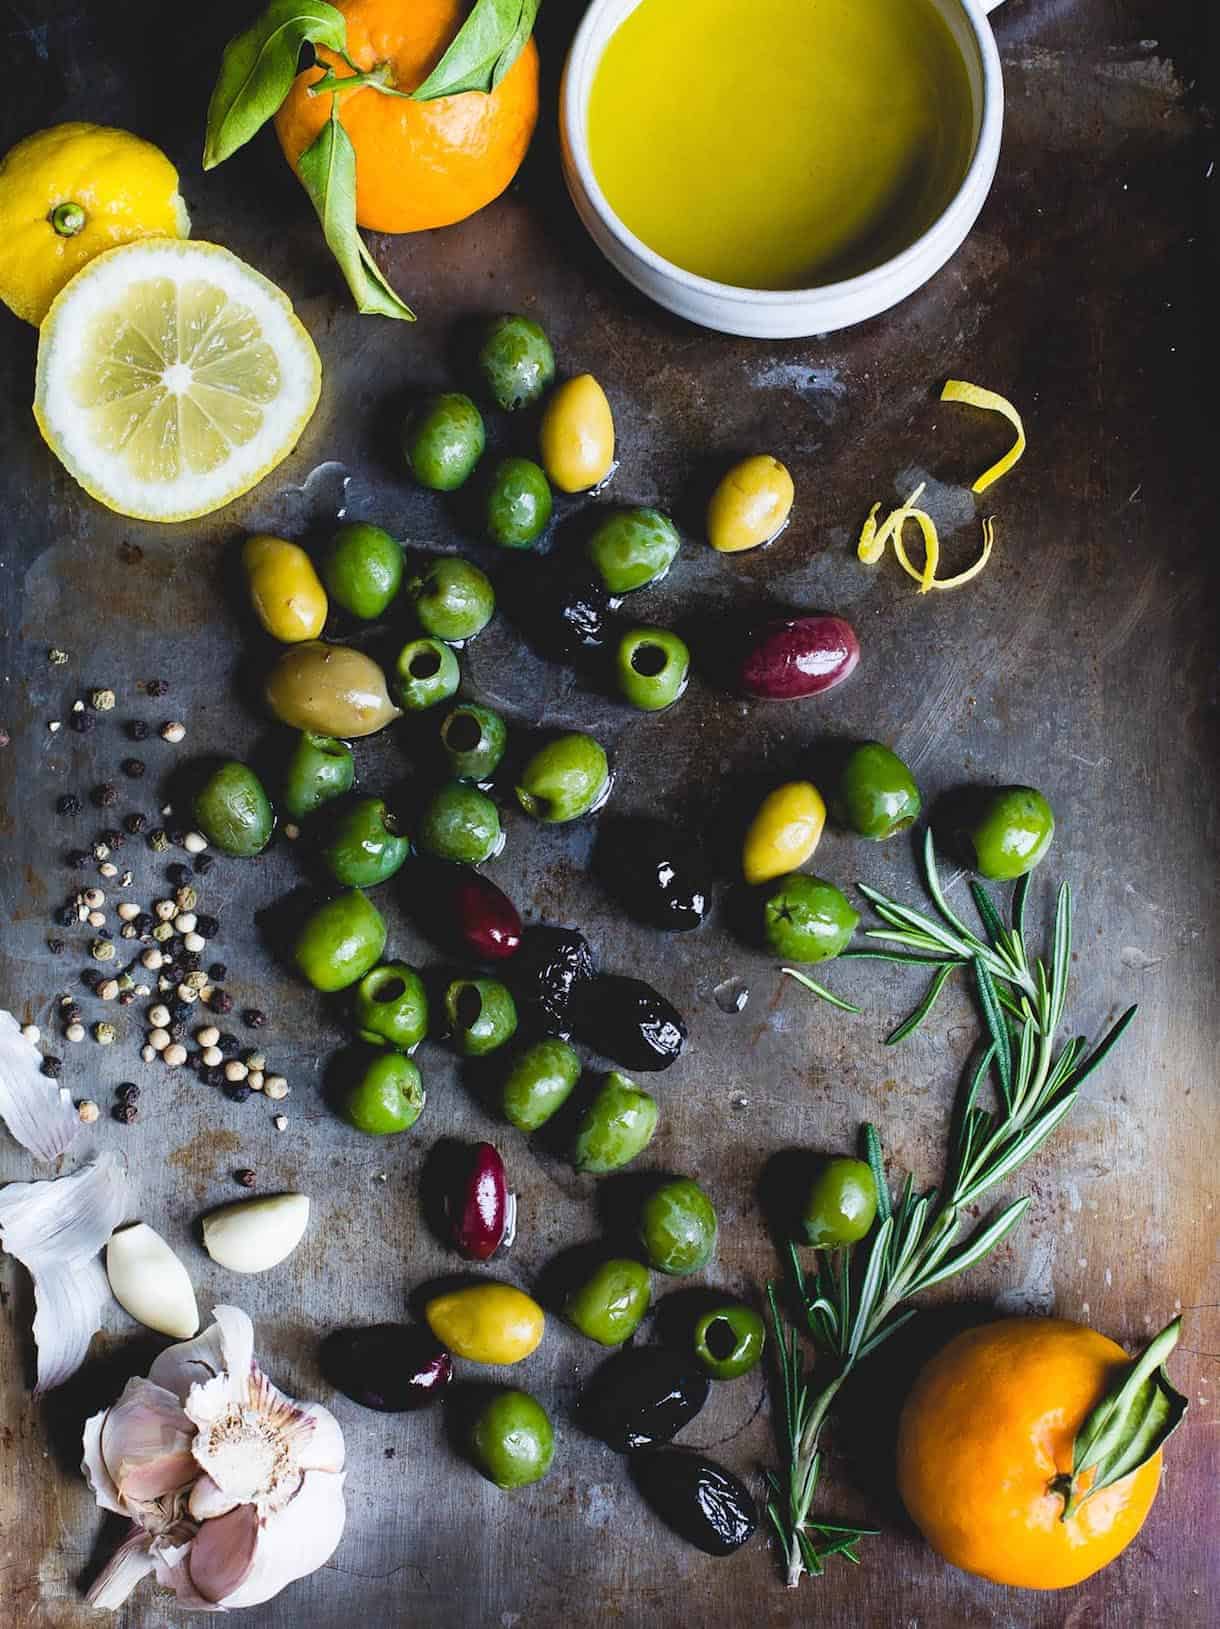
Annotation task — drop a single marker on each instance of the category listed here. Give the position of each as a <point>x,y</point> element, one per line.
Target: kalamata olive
<point>659,876</point>
<point>483,919</point>
<point>564,612</point>
<point>391,1367</point>
<point>704,1504</point>
<point>800,657</point>
<point>482,1212</point>
<point>627,1020</point>
<point>642,1397</point>
<point>549,975</point>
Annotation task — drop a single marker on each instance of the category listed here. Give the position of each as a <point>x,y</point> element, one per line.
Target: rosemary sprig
<point>856,1300</point>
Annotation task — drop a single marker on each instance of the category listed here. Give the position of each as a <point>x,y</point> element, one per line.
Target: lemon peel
<point>958,390</point>
<point>874,537</point>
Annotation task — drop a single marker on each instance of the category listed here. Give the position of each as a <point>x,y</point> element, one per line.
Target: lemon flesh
<point>172,377</point>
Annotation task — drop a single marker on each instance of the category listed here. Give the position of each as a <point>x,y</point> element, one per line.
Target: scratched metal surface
<point>1080,661</point>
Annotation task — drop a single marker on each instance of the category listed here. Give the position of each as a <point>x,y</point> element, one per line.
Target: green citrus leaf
<point>258,68</point>
<point>483,49</point>
<point>328,174</point>
<point>517,41</point>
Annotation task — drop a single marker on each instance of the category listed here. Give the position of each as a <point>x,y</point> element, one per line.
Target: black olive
<point>565,614</point>
<point>627,1020</point>
<point>642,1397</point>
<point>549,975</point>
<point>656,874</point>
<point>704,1504</point>
<point>391,1367</point>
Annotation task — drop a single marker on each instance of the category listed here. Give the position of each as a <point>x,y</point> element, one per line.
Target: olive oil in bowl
<point>780,144</point>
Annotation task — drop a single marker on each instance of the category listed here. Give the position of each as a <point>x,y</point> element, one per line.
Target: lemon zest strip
<point>957,390</point>
<point>868,549</point>
<point>931,547</point>
<point>973,571</point>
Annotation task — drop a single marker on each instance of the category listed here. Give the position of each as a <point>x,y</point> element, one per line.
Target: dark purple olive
<point>657,874</point>
<point>642,1398</point>
<point>800,657</point>
<point>704,1504</point>
<point>485,920</point>
<point>566,615</point>
<point>627,1020</point>
<point>391,1367</point>
<point>482,1212</point>
<point>550,973</point>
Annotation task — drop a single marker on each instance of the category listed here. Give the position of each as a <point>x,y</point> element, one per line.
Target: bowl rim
<point>591,39</point>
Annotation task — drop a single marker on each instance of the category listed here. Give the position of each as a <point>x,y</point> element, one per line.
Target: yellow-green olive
<point>486,1323</point>
<point>750,506</point>
<point>285,590</point>
<point>784,832</point>
<point>330,689</point>
<point>577,435</point>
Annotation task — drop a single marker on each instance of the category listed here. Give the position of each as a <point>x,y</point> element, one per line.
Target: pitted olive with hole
<point>567,778</point>
<point>516,361</point>
<point>633,548</point>
<point>391,1007</point>
<point>729,1340</point>
<point>576,436</point>
<point>617,1126</point>
<point>539,1083</point>
<point>362,845</point>
<point>233,811</point>
<point>319,768</point>
<point>362,569</point>
<point>651,668</point>
<point>443,441</point>
<point>518,504</point>
<point>473,740</point>
<point>426,673</point>
<point>609,1306</point>
<point>453,599</point>
<point>678,1227</point>
<point>482,1015</point>
<point>461,824</point>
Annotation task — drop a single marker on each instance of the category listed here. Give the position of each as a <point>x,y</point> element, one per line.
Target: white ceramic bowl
<point>784,313</point>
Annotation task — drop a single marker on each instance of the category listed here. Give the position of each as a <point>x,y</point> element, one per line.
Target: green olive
<point>233,812</point>
<point>807,920</point>
<point>482,1015</point>
<point>729,1340</point>
<point>875,794</point>
<point>616,1126</point>
<point>453,599</point>
<point>518,503</point>
<point>513,1441</point>
<point>678,1227</point>
<point>362,569</point>
<point>633,548</point>
<point>461,823</point>
<point>391,1007</point>
<point>516,361</point>
<point>610,1303</point>
<point>319,768</point>
<point>1013,831</point>
<point>651,667</point>
<point>443,441</point>
<point>567,778</point>
<point>473,740</point>
<point>841,1204</point>
<point>330,689</point>
<point>362,845</point>
<point>539,1083</point>
<point>340,941</point>
<point>426,673</point>
<point>386,1096</point>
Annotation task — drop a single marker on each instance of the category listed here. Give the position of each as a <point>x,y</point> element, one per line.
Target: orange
<point>989,1425</point>
<point>418,164</point>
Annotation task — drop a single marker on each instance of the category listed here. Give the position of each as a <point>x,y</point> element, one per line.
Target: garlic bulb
<point>233,1489</point>
<point>148,1280</point>
<point>255,1234</point>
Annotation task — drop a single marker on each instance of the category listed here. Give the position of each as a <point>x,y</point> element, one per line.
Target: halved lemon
<point>172,377</point>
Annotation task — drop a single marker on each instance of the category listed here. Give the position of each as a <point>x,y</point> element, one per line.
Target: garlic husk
<point>56,1230</point>
<point>39,1113</point>
<point>148,1281</point>
<point>263,1501</point>
<point>255,1234</point>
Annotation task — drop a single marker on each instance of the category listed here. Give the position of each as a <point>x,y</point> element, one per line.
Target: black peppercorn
<point>52,1066</point>
<point>177,1031</point>
<point>105,795</point>
<point>77,858</point>
<point>214,1077</point>
<point>218,972</point>
<point>105,933</point>
<point>144,923</point>
<point>125,1113</point>
<point>221,1001</point>
<point>191,961</point>
<point>81,722</point>
<point>135,824</point>
<point>90,978</point>
<point>67,917</point>
<point>71,1014</point>
<point>156,687</point>
<point>180,1010</point>
<point>68,804</point>
<point>177,837</point>
<point>237,1092</point>
<point>127,998</point>
<point>178,874</point>
<point>137,730</point>
<point>55,946</point>
<point>133,768</point>
<point>254,1018</point>
<point>207,926</point>
<point>203,864</point>
<point>245,1176</point>
<point>228,1042</point>
<point>127,1091</point>
<point>113,838</point>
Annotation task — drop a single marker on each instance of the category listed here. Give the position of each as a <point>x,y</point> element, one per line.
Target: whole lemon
<point>70,192</point>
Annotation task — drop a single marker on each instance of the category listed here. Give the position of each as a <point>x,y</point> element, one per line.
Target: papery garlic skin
<point>149,1281</point>
<point>262,1503</point>
<point>255,1234</point>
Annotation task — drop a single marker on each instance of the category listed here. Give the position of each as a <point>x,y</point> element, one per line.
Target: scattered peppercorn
<point>254,1017</point>
<point>158,841</point>
<point>55,946</point>
<point>67,804</point>
<point>227,1042</point>
<point>125,1113</point>
<point>135,824</point>
<point>57,657</point>
<point>137,730</point>
<point>82,723</point>
<point>246,1177</point>
<point>144,923</point>
<point>101,700</point>
<point>237,1091</point>
<point>113,838</point>
<point>204,864</point>
<point>52,1066</point>
<point>173,731</point>
<point>87,1111</point>
<point>105,795</point>
<point>133,768</point>
<point>190,961</point>
<point>208,926</point>
<point>78,857</point>
<point>179,874</point>
<point>71,1013</point>
<point>67,917</point>
<point>214,1075</point>
<point>218,972</point>
<point>156,687</point>
<point>221,1001</point>
<point>90,977</point>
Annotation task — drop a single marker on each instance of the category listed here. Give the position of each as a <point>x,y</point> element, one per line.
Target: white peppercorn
<point>158,1016</point>
<point>193,941</point>
<point>74,1032</point>
<point>185,993</point>
<point>196,981</point>
<point>280,1122</point>
<point>31,1033</point>
<point>165,910</point>
<point>185,922</point>
<point>173,732</point>
<point>108,989</point>
<point>148,1053</point>
<point>152,959</point>
<point>213,1057</point>
<point>128,910</point>
<point>276,1087</point>
<point>174,1055</point>
<point>108,869</point>
<point>208,1035</point>
<point>194,842</point>
<point>102,950</point>
<point>255,1080</point>
<point>235,1070</point>
<point>158,1039</point>
<point>105,1034</point>
<point>96,919</point>
<point>87,1111</point>
<point>186,898</point>
<point>93,898</point>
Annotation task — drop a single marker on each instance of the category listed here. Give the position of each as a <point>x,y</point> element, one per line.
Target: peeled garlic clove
<point>149,1282</point>
<point>255,1234</point>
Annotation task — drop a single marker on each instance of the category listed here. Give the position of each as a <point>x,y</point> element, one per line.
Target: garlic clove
<point>149,1282</point>
<point>255,1234</point>
<point>222,1556</point>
